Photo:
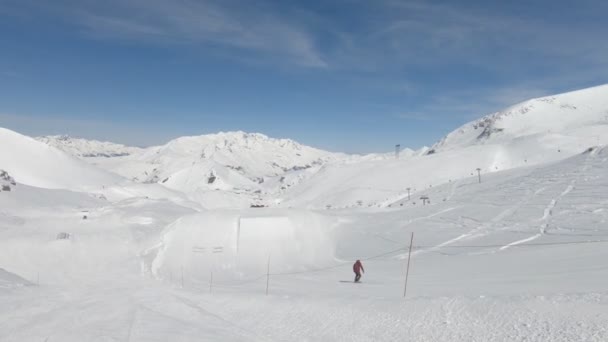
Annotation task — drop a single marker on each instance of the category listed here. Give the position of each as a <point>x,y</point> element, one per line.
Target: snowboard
<point>350,281</point>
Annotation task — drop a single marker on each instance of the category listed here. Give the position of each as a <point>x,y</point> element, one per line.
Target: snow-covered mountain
<point>250,155</point>
<point>567,121</point>
<point>31,162</point>
<point>520,254</point>
<point>234,169</point>
<point>238,169</point>
<point>88,148</point>
<point>24,160</point>
<point>534,132</point>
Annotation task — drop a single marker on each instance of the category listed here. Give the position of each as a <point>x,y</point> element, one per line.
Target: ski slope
<point>534,132</point>
<point>99,248</point>
<point>523,261</point>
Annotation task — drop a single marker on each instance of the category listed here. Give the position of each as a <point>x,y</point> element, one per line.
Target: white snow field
<point>47,167</point>
<point>88,253</point>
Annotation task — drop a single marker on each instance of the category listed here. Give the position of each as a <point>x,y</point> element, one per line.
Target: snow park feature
<point>512,244</point>
<point>10,280</point>
<point>237,245</point>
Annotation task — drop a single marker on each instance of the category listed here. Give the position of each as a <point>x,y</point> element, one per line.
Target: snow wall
<point>9,280</point>
<point>237,244</point>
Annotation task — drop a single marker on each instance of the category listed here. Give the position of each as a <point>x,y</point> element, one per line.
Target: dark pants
<point>357,277</point>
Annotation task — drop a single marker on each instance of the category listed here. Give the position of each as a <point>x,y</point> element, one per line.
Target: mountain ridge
<point>237,168</point>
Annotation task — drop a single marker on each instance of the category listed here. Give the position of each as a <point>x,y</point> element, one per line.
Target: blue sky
<point>343,75</point>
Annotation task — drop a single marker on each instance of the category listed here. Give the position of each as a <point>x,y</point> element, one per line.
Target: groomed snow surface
<point>521,256</point>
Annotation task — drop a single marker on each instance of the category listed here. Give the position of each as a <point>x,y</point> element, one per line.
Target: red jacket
<point>358,267</point>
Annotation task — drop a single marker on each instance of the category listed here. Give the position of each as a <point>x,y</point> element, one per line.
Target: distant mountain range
<point>88,148</point>
<point>238,169</point>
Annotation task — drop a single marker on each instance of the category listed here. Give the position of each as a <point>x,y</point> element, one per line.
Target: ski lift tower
<point>397,150</point>
<point>425,199</point>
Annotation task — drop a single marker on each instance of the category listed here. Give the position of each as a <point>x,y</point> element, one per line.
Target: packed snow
<point>241,237</point>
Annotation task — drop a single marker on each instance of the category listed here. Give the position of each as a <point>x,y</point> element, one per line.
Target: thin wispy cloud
<point>404,61</point>
<point>383,35</point>
<point>257,30</point>
<point>424,32</point>
<point>208,23</point>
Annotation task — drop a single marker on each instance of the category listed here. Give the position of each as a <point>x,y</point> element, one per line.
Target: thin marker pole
<point>268,275</point>
<point>211,282</point>
<point>238,234</point>
<point>182,277</point>
<point>407,272</point>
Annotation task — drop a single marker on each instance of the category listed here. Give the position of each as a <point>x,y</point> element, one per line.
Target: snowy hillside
<point>34,163</point>
<point>254,156</point>
<point>566,121</point>
<point>238,170</point>
<point>233,169</point>
<point>532,133</point>
<point>224,170</point>
<point>514,252</point>
<point>30,162</point>
<point>88,148</point>
<point>520,256</point>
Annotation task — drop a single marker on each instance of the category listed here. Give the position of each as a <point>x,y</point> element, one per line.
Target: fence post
<point>407,272</point>
<point>268,274</point>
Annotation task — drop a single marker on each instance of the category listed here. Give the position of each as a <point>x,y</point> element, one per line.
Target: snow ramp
<point>238,244</point>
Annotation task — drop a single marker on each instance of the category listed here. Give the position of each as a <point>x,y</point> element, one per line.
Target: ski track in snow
<point>478,232</point>
<point>483,230</point>
<point>518,242</point>
<point>429,216</point>
<point>548,212</point>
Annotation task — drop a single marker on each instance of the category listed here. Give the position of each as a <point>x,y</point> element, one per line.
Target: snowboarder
<point>358,268</point>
